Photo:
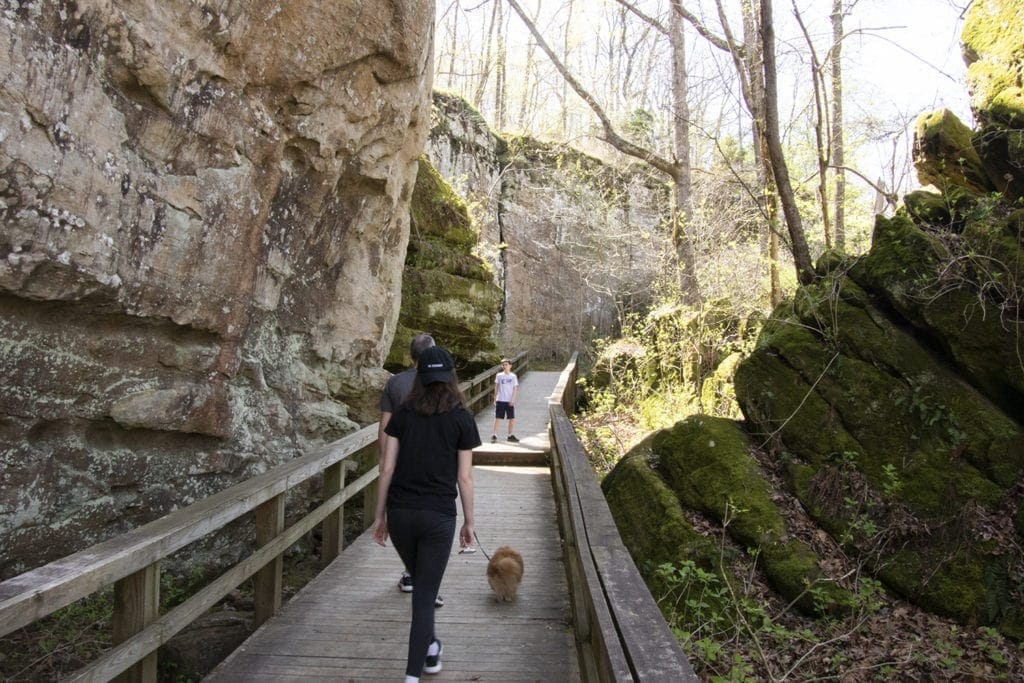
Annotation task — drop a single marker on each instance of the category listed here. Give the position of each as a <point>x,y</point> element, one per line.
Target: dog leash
<point>468,550</point>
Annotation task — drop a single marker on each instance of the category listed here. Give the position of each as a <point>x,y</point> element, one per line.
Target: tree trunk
<point>681,144</point>
<point>499,69</point>
<point>798,242</point>
<point>754,78</point>
<point>822,139</point>
<point>528,101</point>
<point>838,153</point>
<point>564,113</point>
<point>485,62</point>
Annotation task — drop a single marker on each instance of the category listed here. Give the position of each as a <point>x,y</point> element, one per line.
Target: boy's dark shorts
<point>503,410</point>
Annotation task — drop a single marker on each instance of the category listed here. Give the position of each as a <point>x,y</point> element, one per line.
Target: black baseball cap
<point>434,365</point>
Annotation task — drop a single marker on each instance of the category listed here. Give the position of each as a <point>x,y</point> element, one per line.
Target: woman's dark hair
<point>437,397</point>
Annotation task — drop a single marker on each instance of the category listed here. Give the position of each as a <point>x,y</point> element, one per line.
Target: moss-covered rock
<point>866,414</point>
<point>915,273</point>
<point>650,519</point>
<point>706,461</point>
<point>892,390</point>
<point>446,289</point>
<point>994,54</point>
<point>993,51</point>
<point>944,153</point>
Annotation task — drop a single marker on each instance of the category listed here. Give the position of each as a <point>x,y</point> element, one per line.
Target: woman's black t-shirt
<point>426,473</point>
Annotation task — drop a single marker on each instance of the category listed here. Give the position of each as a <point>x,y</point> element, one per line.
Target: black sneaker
<point>494,437</point>
<point>512,437</point>
<point>405,583</point>
<point>438,601</point>
<point>433,662</point>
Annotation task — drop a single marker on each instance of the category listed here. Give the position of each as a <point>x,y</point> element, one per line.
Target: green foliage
<point>639,126</point>
<point>63,642</point>
<point>667,365</point>
<point>731,636</point>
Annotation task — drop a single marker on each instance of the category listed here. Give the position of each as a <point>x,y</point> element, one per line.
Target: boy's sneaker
<point>494,437</point>
<point>438,601</point>
<point>512,437</point>
<point>405,583</point>
<point>433,662</point>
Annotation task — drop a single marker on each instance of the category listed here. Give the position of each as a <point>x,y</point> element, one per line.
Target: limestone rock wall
<point>447,290</point>
<point>569,238</point>
<point>204,219</point>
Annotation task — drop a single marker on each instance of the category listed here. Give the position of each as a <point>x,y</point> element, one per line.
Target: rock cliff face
<point>447,290</point>
<point>564,232</point>
<point>205,217</point>
<point>888,397</point>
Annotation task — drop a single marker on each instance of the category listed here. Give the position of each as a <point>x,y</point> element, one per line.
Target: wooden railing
<point>131,562</point>
<point>620,632</point>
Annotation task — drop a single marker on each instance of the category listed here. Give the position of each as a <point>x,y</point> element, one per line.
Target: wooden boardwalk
<point>531,425</point>
<point>351,622</point>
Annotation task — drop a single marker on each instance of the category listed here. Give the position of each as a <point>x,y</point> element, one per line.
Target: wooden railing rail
<point>620,631</point>
<point>131,562</point>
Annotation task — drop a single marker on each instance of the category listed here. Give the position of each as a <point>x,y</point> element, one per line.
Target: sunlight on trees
<point>609,86</point>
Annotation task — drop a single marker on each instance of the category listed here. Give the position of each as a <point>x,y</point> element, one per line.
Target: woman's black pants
<point>423,539</point>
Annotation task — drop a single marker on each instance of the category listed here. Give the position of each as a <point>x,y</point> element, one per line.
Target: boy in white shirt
<point>506,387</point>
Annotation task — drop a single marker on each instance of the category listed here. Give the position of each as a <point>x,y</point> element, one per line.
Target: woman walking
<point>429,453</point>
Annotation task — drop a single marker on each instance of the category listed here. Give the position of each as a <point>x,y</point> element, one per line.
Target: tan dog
<point>504,572</point>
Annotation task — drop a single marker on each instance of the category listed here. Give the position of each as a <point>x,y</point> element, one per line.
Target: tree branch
<point>611,136</point>
<point>880,189</point>
<point>649,19</point>
<point>700,27</point>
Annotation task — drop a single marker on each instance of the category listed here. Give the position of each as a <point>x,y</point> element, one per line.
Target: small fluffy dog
<point>504,572</point>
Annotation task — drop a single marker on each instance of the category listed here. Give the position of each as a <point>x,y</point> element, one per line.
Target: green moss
<point>432,254</point>
<point>706,462</point>
<point>437,210</point>
<point>650,521</point>
<point>794,569</point>
<point>446,290</point>
<point>944,153</point>
<point>913,436</point>
<point>993,49</point>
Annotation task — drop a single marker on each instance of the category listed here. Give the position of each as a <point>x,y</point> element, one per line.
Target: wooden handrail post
<point>136,604</point>
<point>267,581</point>
<point>333,527</point>
<point>369,504</point>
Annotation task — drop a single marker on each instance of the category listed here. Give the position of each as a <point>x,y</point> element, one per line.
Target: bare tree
<point>798,241</point>
<point>756,68</point>
<point>564,117</point>
<point>838,149</point>
<point>677,169</point>
<point>485,62</point>
<point>822,138</point>
<point>500,95</point>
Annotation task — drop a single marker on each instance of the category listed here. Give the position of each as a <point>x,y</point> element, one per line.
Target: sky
<point>917,62</point>
<point>913,67</point>
<point>902,59</point>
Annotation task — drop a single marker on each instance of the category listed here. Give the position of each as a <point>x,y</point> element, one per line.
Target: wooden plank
<point>122,656</point>
<point>34,594</point>
<point>136,605</point>
<point>269,579</point>
<point>352,623</point>
<point>601,641</point>
<point>333,527</point>
<point>648,645</point>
